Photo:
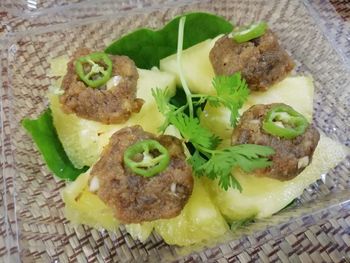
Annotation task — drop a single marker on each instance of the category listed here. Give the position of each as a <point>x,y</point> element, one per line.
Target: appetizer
<point>234,141</point>
<point>84,95</point>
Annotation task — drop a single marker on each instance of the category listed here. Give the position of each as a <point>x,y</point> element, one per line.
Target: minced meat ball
<point>113,105</point>
<point>291,155</point>
<point>135,198</point>
<point>262,61</point>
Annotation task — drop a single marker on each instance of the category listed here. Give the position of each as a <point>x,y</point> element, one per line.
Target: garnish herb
<point>99,67</point>
<point>283,121</point>
<point>246,156</point>
<point>246,33</point>
<point>232,92</point>
<point>146,158</point>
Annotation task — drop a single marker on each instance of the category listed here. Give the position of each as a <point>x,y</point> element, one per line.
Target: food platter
<point>38,203</point>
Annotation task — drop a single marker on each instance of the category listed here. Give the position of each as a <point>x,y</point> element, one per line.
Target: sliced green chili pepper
<point>246,33</point>
<point>146,158</point>
<point>99,69</point>
<point>283,121</point>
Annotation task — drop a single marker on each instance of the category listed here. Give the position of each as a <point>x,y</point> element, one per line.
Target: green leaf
<point>196,161</point>
<point>248,157</point>
<point>232,92</point>
<point>45,137</point>
<point>147,47</point>
<point>190,128</point>
<point>192,131</point>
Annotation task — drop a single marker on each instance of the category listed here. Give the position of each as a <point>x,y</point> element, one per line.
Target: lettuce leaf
<point>45,137</point>
<point>146,47</point>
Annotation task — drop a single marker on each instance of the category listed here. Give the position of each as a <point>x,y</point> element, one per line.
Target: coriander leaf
<point>192,131</point>
<point>189,128</point>
<point>232,91</point>
<point>196,161</point>
<point>219,167</point>
<point>147,47</point>
<point>162,99</point>
<point>246,156</point>
<point>45,137</point>
<point>251,156</point>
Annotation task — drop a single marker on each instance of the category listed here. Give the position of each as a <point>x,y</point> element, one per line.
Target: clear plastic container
<point>20,7</point>
<point>333,17</point>
<point>33,227</point>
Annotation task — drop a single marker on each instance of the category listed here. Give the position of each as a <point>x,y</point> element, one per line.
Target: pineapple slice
<point>84,207</point>
<point>140,231</point>
<point>83,140</point>
<point>196,65</point>
<point>200,220</point>
<point>296,91</point>
<point>58,66</point>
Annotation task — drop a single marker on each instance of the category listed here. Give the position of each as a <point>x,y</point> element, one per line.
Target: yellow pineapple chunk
<point>196,66</point>
<point>84,207</point>
<point>200,220</point>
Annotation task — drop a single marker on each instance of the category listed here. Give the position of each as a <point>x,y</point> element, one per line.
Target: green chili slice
<point>94,69</point>
<point>246,33</point>
<point>146,158</point>
<point>283,121</point>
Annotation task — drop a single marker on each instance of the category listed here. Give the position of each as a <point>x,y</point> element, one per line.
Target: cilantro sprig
<point>246,156</point>
<point>231,92</point>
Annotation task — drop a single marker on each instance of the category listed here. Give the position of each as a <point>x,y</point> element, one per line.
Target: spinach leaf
<point>147,47</point>
<point>45,137</point>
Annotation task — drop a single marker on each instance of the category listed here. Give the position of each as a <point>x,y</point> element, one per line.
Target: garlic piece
<point>113,82</point>
<point>173,188</point>
<point>94,184</point>
<point>303,162</point>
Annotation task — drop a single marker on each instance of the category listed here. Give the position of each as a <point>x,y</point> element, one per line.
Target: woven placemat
<point>320,237</point>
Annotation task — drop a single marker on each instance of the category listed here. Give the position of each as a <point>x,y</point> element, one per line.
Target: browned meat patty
<point>114,105</point>
<point>291,155</point>
<point>262,61</point>
<point>135,198</point>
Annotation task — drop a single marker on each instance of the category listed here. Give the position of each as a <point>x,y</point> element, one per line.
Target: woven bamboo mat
<point>321,237</point>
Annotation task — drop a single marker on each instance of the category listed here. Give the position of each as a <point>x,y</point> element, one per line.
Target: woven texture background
<point>32,224</point>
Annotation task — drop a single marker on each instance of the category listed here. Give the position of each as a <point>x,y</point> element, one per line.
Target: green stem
<point>182,108</point>
<point>179,64</point>
<point>205,150</point>
<point>198,95</point>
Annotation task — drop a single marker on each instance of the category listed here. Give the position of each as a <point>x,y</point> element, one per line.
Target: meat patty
<point>114,105</point>
<point>291,155</point>
<point>261,61</point>
<point>135,198</point>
